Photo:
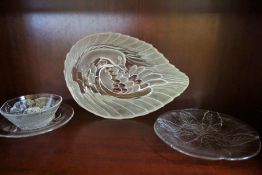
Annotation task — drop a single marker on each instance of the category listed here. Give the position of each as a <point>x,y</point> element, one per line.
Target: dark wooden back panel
<point>217,44</point>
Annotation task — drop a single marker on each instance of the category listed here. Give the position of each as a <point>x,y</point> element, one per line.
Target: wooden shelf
<point>91,145</point>
<point>217,44</point>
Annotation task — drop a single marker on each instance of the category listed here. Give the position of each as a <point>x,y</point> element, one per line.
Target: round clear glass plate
<point>207,134</point>
<point>62,116</point>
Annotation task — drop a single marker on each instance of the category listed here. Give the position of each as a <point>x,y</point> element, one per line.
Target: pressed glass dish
<point>62,116</point>
<point>31,111</point>
<point>207,134</point>
<point>118,76</point>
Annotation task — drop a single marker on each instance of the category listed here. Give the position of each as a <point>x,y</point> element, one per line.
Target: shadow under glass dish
<point>207,134</point>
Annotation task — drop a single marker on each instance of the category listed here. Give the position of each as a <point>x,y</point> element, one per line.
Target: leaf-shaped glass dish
<point>207,134</point>
<point>117,76</point>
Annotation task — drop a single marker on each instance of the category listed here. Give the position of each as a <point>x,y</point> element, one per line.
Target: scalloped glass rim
<point>180,129</point>
<point>138,55</point>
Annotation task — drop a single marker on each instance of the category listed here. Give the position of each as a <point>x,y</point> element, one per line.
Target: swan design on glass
<point>207,134</point>
<point>118,76</point>
<point>122,75</point>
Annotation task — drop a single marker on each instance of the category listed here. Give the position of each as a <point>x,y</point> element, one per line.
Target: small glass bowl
<point>31,111</point>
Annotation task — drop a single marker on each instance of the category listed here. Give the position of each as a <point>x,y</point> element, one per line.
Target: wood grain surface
<point>217,44</point>
<point>91,145</point>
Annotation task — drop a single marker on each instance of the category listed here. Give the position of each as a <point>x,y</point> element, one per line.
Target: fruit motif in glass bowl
<point>31,111</point>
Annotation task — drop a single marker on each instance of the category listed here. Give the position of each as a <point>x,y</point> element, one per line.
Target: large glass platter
<point>117,76</point>
<point>208,134</point>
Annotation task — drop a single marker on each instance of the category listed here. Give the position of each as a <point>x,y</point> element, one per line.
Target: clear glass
<point>31,111</point>
<point>207,134</point>
<point>62,116</point>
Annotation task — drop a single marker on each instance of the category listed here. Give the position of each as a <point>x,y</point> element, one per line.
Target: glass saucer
<point>207,134</point>
<point>62,116</point>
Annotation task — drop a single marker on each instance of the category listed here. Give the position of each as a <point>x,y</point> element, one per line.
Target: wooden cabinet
<point>218,44</point>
